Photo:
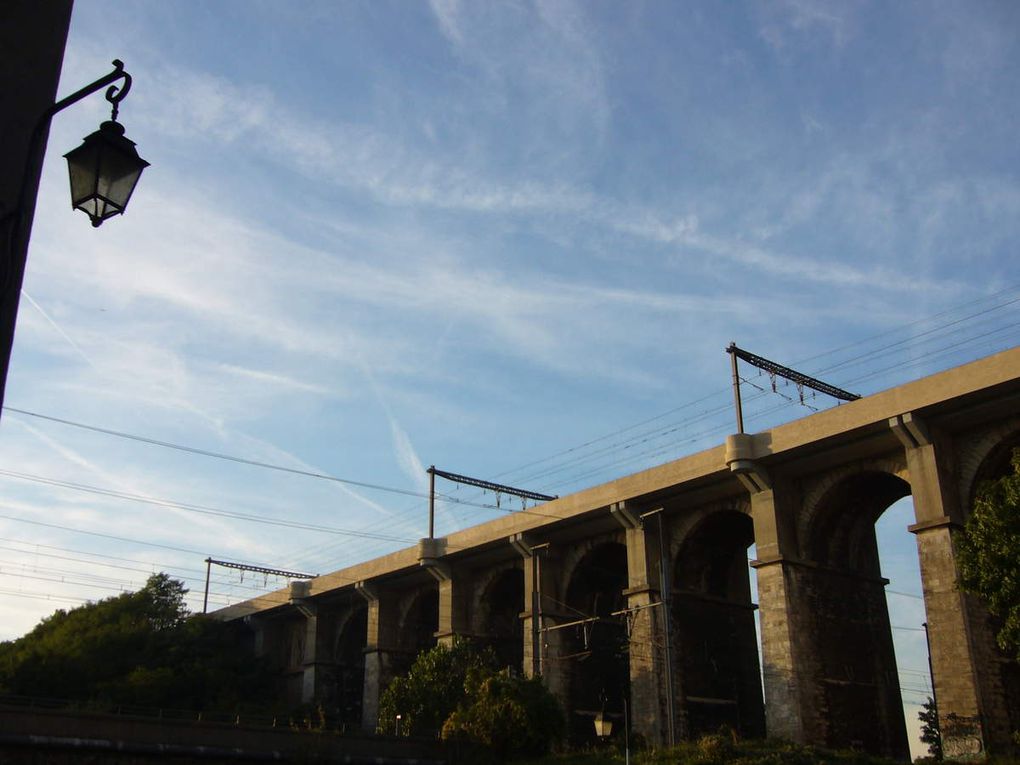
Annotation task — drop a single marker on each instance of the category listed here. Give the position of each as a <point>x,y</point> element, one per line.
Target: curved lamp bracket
<point>116,94</point>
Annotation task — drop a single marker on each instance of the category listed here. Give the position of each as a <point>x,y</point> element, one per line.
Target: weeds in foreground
<point>724,748</point>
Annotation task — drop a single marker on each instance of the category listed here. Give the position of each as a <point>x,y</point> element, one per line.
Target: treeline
<point>139,649</point>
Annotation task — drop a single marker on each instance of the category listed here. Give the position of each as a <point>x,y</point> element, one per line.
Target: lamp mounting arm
<point>114,94</point>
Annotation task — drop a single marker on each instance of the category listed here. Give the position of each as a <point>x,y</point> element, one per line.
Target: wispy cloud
<point>447,13</point>
<point>407,457</point>
<point>789,18</point>
<point>282,382</point>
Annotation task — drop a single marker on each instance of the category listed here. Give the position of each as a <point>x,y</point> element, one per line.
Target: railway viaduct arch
<point>806,494</point>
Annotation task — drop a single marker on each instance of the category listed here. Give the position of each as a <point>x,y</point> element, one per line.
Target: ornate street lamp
<point>106,167</point>
<point>104,171</point>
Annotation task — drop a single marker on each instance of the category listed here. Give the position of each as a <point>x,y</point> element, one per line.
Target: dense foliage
<point>989,563</point>
<point>137,649</point>
<point>457,694</point>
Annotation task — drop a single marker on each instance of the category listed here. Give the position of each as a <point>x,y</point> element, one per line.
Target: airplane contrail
<point>59,329</point>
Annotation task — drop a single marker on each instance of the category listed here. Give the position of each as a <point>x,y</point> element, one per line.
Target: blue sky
<point>377,236</point>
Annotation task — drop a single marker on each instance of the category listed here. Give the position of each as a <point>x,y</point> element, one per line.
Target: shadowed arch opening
<point>596,653</point>
<point>996,464</point>
<point>843,531</point>
<point>714,635</point>
<point>421,622</point>
<point>853,646</point>
<point>502,629</point>
<point>350,666</point>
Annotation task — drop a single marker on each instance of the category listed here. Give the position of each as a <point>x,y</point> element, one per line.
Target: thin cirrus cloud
<point>244,292</point>
<point>397,175</point>
<point>823,19</point>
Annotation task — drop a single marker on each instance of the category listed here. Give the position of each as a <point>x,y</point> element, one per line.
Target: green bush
<point>513,716</point>
<point>455,693</point>
<point>431,690</point>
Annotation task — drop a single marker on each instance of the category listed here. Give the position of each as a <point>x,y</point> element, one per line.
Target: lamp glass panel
<point>83,168</point>
<point>118,175</point>
<point>104,171</point>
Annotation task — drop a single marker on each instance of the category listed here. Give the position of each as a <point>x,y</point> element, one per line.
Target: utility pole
<point>210,562</point>
<point>480,483</point>
<point>799,379</point>
<point>432,501</point>
<point>667,628</point>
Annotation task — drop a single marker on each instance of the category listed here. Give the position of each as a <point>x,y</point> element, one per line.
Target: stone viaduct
<point>575,589</point>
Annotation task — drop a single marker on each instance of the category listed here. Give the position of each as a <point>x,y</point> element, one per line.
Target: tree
<point>989,563</point>
<point>930,732</point>
<point>164,602</point>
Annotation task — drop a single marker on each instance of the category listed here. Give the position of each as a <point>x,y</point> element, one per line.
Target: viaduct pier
<point>640,588</point>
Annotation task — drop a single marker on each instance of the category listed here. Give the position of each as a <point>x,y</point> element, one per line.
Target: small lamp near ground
<point>604,727</point>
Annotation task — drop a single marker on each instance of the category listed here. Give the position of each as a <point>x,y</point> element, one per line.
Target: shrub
<point>514,716</point>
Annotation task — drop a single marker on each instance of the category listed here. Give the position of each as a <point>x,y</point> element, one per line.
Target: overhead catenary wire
<point>723,392</point>
<point>421,495</point>
<point>715,430</point>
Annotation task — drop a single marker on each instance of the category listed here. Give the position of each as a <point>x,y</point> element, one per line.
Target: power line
<point>161,566</point>
<point>219,455</point>
<point>43,596</point>
<point>99,534</point>
<point>178,572</point>
<point>649,437</point>
<point>113,537</point>
<point>204,510</point>
<point>64,581</point>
